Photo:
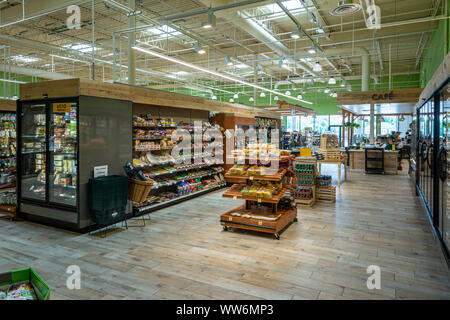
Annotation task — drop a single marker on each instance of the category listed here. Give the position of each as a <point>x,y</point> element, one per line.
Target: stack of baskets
<point>108,199</point>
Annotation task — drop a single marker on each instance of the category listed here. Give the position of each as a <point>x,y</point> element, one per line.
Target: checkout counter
<point>357,158</point>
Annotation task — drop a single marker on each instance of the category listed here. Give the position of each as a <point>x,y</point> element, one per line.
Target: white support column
<point>372,123</point>
<point>131,41</point>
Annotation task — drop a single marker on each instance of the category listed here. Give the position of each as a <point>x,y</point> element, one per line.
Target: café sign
<point>385,96</point>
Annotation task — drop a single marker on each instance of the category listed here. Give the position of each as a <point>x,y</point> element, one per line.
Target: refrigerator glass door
<point>63,151</point>
<point>444,157</point>
<point>33,135</point>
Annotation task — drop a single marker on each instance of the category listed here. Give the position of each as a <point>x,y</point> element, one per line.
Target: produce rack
<point>254,215</point>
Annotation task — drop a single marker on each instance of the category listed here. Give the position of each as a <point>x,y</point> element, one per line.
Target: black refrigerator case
<point>60,142</point>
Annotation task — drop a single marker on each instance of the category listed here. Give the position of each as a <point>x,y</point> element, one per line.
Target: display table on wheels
<point>273,220</point>
<point>339,163</point>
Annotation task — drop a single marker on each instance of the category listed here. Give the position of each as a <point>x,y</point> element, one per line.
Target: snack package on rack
<point>22,291</point>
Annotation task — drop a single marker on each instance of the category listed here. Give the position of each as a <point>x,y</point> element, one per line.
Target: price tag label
<point>260,223</point>
<point>235,197</point>
<point>259,200</point>
<point>230,219</point>
<point>251,178</point>
<point>62,107</point>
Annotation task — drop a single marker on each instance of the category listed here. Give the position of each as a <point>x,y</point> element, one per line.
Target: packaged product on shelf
<point>256,170</point>
<point>238,169</point>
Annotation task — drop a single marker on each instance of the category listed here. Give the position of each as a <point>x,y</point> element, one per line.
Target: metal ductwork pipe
<point>365,64</point>
<point>37,73</point>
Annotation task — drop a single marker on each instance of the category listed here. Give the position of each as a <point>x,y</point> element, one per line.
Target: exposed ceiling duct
<point>345,8</point>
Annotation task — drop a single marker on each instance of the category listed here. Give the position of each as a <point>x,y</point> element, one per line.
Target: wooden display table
<point>254,208</point>
<point>339,163</point>
<point>357,160</point>
<point>227,220</point>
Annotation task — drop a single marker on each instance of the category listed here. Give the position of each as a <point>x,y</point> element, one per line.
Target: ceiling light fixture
<point>12,81</point>
<point>332,80</point>
<point>231,100</point>
<point>228,61</point>
<point>216,74</point>
<point>214,97</point>
<point>262,95</point>
<point>198,49</point>
<point>288,93</point>
<point>312,49</point>
<point>342,84</point>
<point>275,98</point>
<point>317,67</point>
<point>296,34</point>
<point>251,99</point>
<point>211,21</point>
<point>236,96</point>
<point>299,96</point>
<point>327,90</point>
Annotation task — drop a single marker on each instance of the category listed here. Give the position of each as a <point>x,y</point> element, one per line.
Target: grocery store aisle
<point>183,253</point>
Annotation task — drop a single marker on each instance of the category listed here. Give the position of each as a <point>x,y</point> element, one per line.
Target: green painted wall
<point>9,89</point>
<point>437,48</point>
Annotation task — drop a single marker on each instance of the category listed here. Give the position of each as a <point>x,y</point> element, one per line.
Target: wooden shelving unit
<point>267,219</point>
<point>277,176</point>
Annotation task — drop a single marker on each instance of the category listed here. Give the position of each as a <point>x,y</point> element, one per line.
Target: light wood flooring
<point>183,253</point>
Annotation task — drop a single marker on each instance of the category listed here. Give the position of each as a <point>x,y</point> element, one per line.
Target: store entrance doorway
<point>337,129</point>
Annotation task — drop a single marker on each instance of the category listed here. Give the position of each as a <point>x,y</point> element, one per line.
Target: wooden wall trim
<point>75,87</point>
<point>8,105</point>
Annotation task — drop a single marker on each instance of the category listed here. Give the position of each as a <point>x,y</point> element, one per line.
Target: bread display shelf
<point>275,177</point>
<point>235,192</point>
<point>227,220</point>
<point>8,211</point>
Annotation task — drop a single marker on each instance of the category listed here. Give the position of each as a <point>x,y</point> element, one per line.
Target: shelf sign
<point>62,107</point>
<point>100,171</point>
<point>386,96</point>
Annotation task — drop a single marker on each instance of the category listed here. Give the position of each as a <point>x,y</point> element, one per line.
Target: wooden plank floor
<point>183,253</point>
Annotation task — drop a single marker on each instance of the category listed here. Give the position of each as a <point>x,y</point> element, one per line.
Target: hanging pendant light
<point>263,94</point>
<point>251,99</point>
<point>214,97</point>
<point>288,93</point>
<point>231,100</point>
<point>332,80</point>
<point>299,96</point>
<point>327,90</point>
<point>275,98</point>
<point>236,96</point>
<point>312,49</point>
<point>317,67</point>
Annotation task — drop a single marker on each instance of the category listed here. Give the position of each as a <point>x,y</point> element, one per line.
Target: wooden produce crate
<point>336,154</point>
<point>277,176</point>
<point>235,192</point>
<point>308,202</point>
<point>326,194</point>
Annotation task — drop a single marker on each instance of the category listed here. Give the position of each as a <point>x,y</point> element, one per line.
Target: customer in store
<point>394,141</point>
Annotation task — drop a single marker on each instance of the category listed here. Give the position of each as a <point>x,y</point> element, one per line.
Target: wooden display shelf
<point>275,177</point>
<point>9,211</point>
<point>227,220</point>
<point>8,185</point>
<point>235,192</point>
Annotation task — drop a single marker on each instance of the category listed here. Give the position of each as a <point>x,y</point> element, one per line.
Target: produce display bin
<point>41,289</point>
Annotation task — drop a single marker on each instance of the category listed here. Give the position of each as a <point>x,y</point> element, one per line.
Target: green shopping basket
<point>41,289</point>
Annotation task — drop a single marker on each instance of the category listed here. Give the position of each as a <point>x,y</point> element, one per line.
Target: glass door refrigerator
<point>48,154</point>
<point>443,159</point>
<point>432,162</point>
<point>61,141</point>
